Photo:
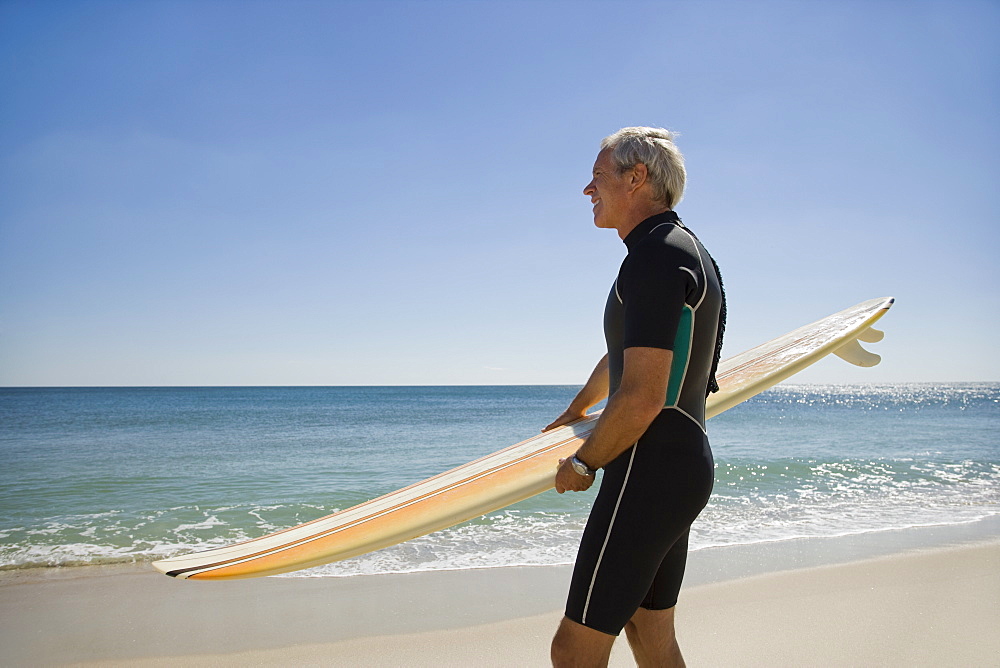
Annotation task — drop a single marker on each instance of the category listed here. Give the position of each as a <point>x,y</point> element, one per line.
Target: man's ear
<point>637,176</point>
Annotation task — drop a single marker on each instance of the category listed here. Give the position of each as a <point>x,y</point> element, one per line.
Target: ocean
<point>109,475</point>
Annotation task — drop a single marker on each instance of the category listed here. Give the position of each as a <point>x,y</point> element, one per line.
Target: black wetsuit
<point>633,551</point>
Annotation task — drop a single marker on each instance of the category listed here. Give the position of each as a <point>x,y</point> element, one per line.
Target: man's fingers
<point>557,423</point>
<point>561,421</point>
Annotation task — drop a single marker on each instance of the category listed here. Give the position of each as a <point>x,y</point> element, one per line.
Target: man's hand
<point>595,391</point>
<point>567,416</point>
<point>568,480</point>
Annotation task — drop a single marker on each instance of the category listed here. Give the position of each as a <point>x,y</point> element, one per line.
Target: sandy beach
<point>922,607</point>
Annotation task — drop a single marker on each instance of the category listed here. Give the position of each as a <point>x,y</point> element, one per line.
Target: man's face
<point>608,190</point>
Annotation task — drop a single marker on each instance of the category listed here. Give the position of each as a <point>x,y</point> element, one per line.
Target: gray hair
<point>655,148</point>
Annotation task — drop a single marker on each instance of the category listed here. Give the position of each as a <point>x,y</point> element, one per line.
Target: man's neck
<point>637,215</point>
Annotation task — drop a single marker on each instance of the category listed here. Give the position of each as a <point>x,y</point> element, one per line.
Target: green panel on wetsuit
<point>682,350</point>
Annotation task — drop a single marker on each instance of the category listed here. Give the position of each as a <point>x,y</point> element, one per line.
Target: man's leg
<point>577,646</point>
<point>651,635</point>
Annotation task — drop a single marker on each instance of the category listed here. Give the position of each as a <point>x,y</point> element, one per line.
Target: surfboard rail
<point>514,473</point>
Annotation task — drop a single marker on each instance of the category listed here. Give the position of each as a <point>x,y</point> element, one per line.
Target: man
<point>663,325</point>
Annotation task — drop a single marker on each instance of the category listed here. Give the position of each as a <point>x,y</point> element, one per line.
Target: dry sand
<point>937,607</point>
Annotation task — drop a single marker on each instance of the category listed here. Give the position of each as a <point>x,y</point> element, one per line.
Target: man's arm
<point>592,393</point>
<point>628,414</point>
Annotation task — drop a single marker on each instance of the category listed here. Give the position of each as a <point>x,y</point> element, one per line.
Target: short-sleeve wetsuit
<point>633,551</point>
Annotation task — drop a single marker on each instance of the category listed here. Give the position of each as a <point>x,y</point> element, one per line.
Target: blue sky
<point>232,193</point>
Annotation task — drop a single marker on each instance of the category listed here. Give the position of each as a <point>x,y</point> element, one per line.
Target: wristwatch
<point>580,467</point>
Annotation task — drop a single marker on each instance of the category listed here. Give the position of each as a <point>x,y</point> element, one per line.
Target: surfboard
<point>515,473</point>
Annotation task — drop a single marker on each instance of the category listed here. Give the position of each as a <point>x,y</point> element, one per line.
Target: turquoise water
<point>133,474</point>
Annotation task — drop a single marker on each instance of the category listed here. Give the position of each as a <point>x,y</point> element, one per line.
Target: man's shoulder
<point>664,242</point>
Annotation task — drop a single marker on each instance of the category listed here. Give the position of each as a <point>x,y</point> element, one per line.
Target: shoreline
<point>128,614</point>
<point>707,564</point>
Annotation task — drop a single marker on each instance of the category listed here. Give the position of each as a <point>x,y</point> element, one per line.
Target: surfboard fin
<point>871,335</point>
<point>853,352</point>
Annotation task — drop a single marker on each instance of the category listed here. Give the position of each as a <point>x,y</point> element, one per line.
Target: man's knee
<point>566,649</point>
<point>658,622</point>
<point>561,650</point>
<point>577,645</point>
<point>565,644</point>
